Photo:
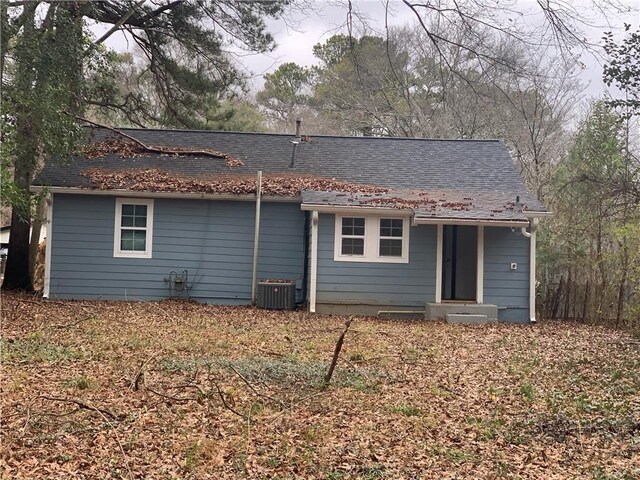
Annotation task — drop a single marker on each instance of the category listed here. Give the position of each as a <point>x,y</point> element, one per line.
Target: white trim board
<point>440,235</point>
<point>471,222</point>
<point>371,239</point>
<point>364,210</point>
<point>480,265</point>
<point>148,194</point>
<point>532,272</point>
<point>117,253</point>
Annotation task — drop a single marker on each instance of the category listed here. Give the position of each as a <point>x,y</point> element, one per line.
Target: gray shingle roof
<point>470,167</point>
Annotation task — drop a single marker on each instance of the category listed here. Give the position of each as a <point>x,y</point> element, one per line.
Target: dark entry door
<point>459,262</point>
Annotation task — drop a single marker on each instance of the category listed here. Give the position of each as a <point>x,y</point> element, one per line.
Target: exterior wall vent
<point>276,294</point>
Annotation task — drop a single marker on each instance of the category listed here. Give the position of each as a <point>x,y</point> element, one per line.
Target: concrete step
<point>467,318</point>
<point>439,311</point>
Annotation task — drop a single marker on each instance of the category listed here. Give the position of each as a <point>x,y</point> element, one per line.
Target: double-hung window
<point>133,228</point>
<point>371,238</point>
<point>391,232</point>
<point>353,229</point>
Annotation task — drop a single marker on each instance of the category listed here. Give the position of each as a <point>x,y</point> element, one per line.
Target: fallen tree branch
<point>253,389</point>
<point>336,352</point>
<point>103,411</point>
<point>139,376</point>
<point>226,405</point>
<point>153,148</point>
<point>73,324</point>
<point>169,397</point>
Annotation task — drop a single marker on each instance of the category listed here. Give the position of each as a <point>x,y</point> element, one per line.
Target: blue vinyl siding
<point>402,284</point>
<point>212,240</point>
<point>506,288</point>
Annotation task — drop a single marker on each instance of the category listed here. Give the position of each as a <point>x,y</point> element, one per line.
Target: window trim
<point>371,239</point>
<point>117,253</point>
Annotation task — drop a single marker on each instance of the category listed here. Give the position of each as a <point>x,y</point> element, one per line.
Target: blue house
<point>362,225</point>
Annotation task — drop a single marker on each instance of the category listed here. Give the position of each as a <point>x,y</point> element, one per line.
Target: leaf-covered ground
<point>180,390</point>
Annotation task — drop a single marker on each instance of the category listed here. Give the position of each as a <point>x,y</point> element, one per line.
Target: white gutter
<point>532,214</point>
<point>313,274</point>
<point>347,209</point>
<point>256,238</point>
<point>470,221</point>
<point>181,195</point>
<point>47,250</point>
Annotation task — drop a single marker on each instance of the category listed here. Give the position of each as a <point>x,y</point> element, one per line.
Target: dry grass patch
<point>180,390</point>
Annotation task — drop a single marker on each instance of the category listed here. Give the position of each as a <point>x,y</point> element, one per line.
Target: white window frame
<point>117,252</point>
<point>371,239</point>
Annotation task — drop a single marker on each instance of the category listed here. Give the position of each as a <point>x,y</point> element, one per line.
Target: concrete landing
<point>439,311</point>
<point>467,319</point>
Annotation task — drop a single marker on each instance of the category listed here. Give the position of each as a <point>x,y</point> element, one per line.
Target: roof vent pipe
<point>298,123</point>
<point>296,141</point>
<point>293,154</point>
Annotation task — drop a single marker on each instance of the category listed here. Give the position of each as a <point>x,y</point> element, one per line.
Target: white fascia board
<point>532,214</point>
<point>470,221</point>
<point>348,209</point>
<point>147,194</point>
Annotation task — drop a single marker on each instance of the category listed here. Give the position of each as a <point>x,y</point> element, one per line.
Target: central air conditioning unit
<point>276,294</point>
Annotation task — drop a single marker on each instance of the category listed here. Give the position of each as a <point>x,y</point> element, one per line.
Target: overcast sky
<point>296,36</point>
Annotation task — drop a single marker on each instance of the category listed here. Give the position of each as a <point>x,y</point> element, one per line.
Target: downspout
<point>256,238</point>
<point>305,265</point>
<point>46,290</point>
<point>314,262</point>
<point>531,235</point>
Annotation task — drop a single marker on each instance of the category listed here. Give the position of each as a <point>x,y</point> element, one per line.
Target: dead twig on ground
<point>139,376</point>
<point>103,411</point>
<point>253,389</point>
<point>73,324</point>
<point>226,405</point>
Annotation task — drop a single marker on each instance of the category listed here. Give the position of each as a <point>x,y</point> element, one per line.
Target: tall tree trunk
<point>567,298</point>
<point>623,280</point>
<point>585,304</point>
<point>17,271</point>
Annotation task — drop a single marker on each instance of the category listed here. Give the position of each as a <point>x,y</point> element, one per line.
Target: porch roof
<point>426,205</point>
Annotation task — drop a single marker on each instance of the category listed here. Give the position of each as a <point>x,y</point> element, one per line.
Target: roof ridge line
<point>276,134</point>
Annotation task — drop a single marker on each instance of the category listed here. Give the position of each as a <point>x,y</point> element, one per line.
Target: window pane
<point>128,210</point>
<point>133,240</point>
<point>353,246</point>
<point>139,244</point>
<point>390,247</point>
<point>140,221</point>
<point>126,240</point>
<point>391,227</point>
<point>352,226</point>
<point>127,221</point>
<point>140,210</point>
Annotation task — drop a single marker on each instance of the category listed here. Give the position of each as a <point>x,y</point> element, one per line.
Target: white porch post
<point>314,262</point>
<point>480,266</point>
<point>439,263</point>
<point>532,272</point>
<point>47,252</point>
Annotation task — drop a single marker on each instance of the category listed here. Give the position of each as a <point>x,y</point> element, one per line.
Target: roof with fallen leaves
<point>453,178</point>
